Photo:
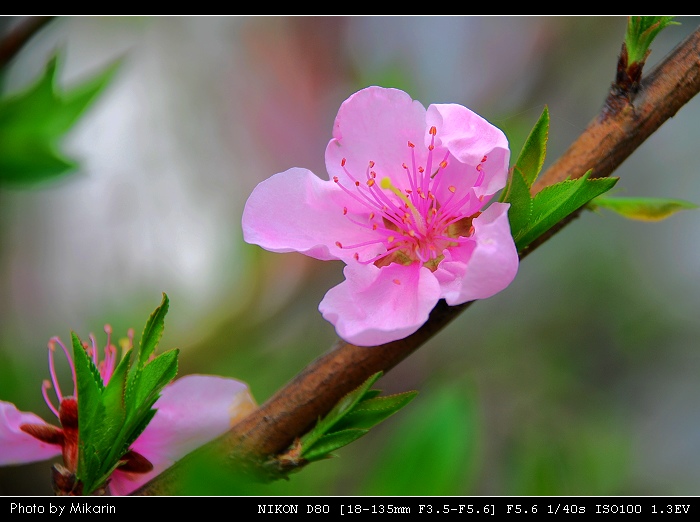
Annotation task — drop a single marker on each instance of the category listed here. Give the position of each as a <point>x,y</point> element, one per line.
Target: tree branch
<point>623,124</point>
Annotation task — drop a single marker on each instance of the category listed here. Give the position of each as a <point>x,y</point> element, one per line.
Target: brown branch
<point>621,127</point>
<point>626,120</point>
<point>19,36</point>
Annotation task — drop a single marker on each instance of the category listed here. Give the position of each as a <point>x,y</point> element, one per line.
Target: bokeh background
<point>581,378</point>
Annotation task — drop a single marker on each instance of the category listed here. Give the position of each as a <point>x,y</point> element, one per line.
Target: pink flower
<point>405,207</point>
<point>191,411</point>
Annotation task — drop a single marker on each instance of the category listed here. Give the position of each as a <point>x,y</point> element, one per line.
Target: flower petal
<point>191,411</point>
<point>16,446</point>
<point>469,138</point>
<point>296,211</point>
<point>482,268</point>
<point>376,124</point>
<point>377,305</point>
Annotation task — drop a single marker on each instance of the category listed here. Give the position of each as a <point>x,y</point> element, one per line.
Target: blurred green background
<point>579,379</point>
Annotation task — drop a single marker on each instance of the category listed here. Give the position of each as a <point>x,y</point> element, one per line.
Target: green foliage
<point>532,155</point>
<point>554,203</point>
<point>529,216</point>
<point>520,211</point>
<point>111,417</point>
<point>433,452</point>
<point>642,209</point>
<point>351,418</point>
<point>590,459</point>
<point>33,121</point>
<point>641,31</point>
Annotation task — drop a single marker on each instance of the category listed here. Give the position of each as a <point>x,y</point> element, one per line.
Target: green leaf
<point>111,417</point>
<point>520,211</point>
<point>322,448</point>
<point>156,375</point>
<point>115,408</point>
<point>641,31</point>
<point>91,412</point>
<point>370,394</point>
<point>137,429</point>
<point>642,209</point>
<point>371,412</point>
<point>351,418</point>
<point>88,467</point>
<point>114,391</point>
<point>88,382</point>
<point>343,406</point>
<point>554,203</point>
<point>153,331</point>
<point>33,121</point>
<point>534,150</point>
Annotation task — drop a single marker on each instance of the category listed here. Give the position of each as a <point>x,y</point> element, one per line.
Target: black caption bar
<point>323,507</point>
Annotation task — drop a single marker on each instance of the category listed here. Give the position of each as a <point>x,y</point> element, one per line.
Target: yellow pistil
<point>385,183</point>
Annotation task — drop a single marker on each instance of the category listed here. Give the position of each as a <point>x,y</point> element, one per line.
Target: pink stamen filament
<point>429,163</point>
<point>107,365</point>
<point>446,210</point>
<point>52,367</point>
<point>45,387</point>
<point>381,256</point>
<point>373,205</point>
<point>367,202</point>
<point>384,201</point>
<point>413,221</point>
<point>437,177</point>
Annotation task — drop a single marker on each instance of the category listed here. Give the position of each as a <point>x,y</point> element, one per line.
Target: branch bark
<point>622,125</point>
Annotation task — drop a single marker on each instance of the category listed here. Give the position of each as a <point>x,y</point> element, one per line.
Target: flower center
<point>417,220</point>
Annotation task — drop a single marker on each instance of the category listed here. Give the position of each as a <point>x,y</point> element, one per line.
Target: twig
<point>610,138</point>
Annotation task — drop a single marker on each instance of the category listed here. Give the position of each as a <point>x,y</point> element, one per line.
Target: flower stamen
<point>45,387</point>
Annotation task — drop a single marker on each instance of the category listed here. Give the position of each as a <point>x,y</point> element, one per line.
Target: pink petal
<point>376,124</point>
<point>295,211</point>
<point>16,446</point>
<point>482,268</point>
<point>191,411</point>
<point>469,138</point>
<point>377,305</point>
